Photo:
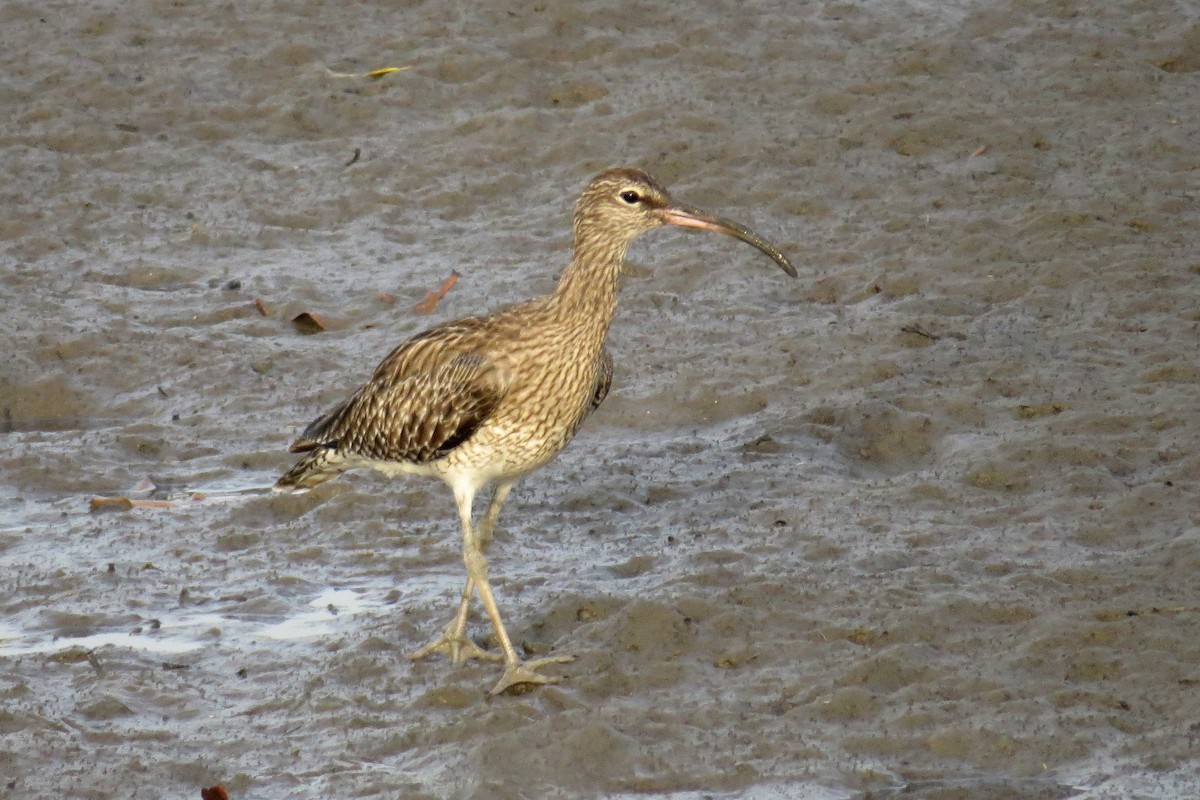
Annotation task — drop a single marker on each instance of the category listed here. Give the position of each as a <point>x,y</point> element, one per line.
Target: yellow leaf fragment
<point>379,73</point>
<point>374,74</point>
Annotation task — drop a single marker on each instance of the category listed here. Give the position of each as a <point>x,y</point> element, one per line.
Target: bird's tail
<point>316,467</point>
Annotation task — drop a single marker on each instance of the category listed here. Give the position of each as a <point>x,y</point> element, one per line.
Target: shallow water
<point>922,523</point>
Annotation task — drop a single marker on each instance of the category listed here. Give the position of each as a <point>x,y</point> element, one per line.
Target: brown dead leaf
<point>216,792</point>
<point>261,306</point>
<point>919,330</point>
<point>307,323</point>
<point>99,505</point>
<point>863,636</point>
<point>430,303</point>
<point>983,148</point>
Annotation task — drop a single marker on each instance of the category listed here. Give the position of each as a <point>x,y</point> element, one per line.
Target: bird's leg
<point>454,641</point>
<point>516,671</point>
<point>487,527</point>
<point>475,540</point>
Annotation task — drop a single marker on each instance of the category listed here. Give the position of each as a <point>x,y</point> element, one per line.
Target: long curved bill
<point>686,217</point>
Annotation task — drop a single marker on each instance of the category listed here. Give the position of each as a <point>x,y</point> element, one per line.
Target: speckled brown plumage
<point>485,400</point>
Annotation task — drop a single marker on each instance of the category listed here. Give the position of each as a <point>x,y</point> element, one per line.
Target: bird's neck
<point>587,290</point>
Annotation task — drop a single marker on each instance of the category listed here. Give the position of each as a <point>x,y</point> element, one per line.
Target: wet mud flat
<point>923,523</point>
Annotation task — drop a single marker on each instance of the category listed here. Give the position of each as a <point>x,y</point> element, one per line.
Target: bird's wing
<point>603,380</point>
<point>427,397</point>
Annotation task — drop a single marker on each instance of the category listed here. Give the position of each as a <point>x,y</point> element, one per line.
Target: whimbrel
<point>486,400</point>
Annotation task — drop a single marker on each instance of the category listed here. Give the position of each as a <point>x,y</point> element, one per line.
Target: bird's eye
<point>631,197</point>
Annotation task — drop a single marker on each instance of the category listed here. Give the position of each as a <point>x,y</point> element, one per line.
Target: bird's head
<point>620,204</point>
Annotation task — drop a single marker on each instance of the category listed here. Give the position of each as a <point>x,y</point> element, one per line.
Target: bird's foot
<point>456,645</point>
<point>522,673</point>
